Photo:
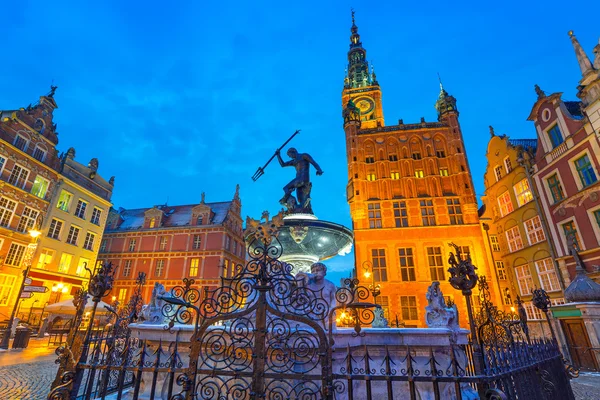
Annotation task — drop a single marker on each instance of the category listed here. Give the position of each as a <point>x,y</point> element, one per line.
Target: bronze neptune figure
<point>301,183</point>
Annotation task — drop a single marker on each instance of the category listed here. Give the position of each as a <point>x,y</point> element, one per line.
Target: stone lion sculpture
<point>152,312</point>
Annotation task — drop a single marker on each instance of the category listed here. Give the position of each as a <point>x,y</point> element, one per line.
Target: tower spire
<point>584,62</point>
<point>358,67</point>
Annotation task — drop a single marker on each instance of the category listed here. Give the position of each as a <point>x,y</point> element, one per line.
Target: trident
<point>261,170</point>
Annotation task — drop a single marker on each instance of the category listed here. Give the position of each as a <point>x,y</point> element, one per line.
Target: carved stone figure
<point>301,183</point>
<point>316,282</point>
<point>152,312</point>
<point>437,312</point>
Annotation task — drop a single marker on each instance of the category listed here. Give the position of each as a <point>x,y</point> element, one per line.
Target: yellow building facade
<point>523,255</point>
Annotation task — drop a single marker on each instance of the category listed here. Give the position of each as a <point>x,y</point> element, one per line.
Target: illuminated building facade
<point>201,241</point>
<point>410,194</point>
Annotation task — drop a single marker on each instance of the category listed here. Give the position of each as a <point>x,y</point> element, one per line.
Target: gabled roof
<point>174,216</point>
<point>527,144</point>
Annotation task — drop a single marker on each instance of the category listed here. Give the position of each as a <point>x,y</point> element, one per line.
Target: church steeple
<point>584,62</point>
<point>357,74</point>
<point>445,103</point>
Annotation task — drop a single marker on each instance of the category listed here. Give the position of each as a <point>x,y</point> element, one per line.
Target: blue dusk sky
<point>185,97</point>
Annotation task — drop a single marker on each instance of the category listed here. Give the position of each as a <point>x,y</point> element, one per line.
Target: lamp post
<point>59,289</point>
<point>28,259</point>
<point>373,287</point>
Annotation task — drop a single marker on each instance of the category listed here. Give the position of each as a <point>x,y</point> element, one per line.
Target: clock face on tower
<point>365,105</point>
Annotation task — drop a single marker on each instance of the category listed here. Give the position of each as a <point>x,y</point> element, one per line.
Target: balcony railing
<point>558,151</point>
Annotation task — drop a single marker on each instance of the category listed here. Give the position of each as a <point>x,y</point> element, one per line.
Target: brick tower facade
<point>410,194</point>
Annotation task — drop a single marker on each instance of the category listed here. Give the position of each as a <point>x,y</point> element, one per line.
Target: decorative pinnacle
<point>492,133</point>
<point>352,11</point>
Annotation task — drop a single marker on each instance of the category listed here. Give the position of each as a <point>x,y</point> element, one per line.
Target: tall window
<point>456,217</point>
<point>159,269</point>
<point>18,176</point>
<point>39,154</point>
<point>400,214</point>
<point>597,217</point>
<point>27,220</point>
<point>440,153</point>
<point>436,264</point>
<point>21,143</point>
<point>370,160</point>
<point>83,262</point>
<point>65,263</point>
<point>40,187</point>
<point>501,271</point>
<point>371,177</point>
<point>507,165</point>
<point>408,305</point>
<point>535,233</point>
<point>505,204</point>
<point>374,215</point>
<point>122,296</point>
<point>2,162</point>
<point>379,265</point>
<point>523,192</point>
<point>132,243</point>
<point>443,171</point>
<point>194,262</point>
<point>395,175</point>
<point>393,157</point>
<point>199,220</point>
<point>46,256</point>
<point>407,264</point>
<point>555,188</point>
<point>416,155</point>
<point>555,136</point>
<point>498,172</point>
<point>55,228</point>
<point>163,243</point>
<point>127,268</point>
<point>96,214</point>
<point>571,233</point>
<point>506,297</point>
<point>419,173</point>
<point>547,275</point>
<point>88,243</point>
<point>80,209</point>
<point>64,201</point>
<point>513,237</point>
<point>152,223</point>
<point>103,245</point>
<point>15,255</point>
<point>73,235</point>
<point>197,242</point>
<point>427,213</point>
<point>585,170</point>
<point>523,275</point>
<point>7,209</point>
<point>384,302</point>
<point>533,313</point>
<point>495,243</point>
<point>465,251</point>
<point>7,282</point>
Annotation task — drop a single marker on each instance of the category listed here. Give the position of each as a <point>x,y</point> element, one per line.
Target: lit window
<point>39,154</point>
<point>455,212</point>
<point>374,215</point>
<point>18,176</point>
<point>7,209</point>
<point>65,263</point>
<point>585,171</point>
<point>15,255</point>
<point>379,265</point>
<point>495,243</point>
<point>547,275</point>
<point>126,268</point>
<point>194,262</point>
<point>555,188</point>
<point>513,236</point>
<point>83,263</point>
<point>122,296</point>
<point>21,143</point>
<point>571,234</point>
<point>159,269</point>
<point>427,213</point>
<point>535,233</point>
<point>55,228</point>
<point>555,136</point>
<point>408,306</point>
<point>64,201</point>
<point>523,274</point>
<point>523,192</point>
<point>27,221</point>
<point>132,244</point>
<point>7,282</point>
<point>88,243</point>
<point>370,160</point>
<point>395,175</point>
<point>400,214</point>
<point>46,256</point>
<point>152,222</point>
<point>505,204</point>
<point>73,235</point>
<point>436,264</point>
<point>384,302</point>
<point>40,187</point>
<point>407,265</point>
<point>80,209</point>
<point>498,172</point>
<point>501,271</point>
<point>419,173</point>
<point>163,243</point>
<point>197,242</point>
<point>444,171</point>
<point>371,177</point>
<point>507,165</point>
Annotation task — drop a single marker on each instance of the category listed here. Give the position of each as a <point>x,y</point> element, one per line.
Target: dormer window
<point>152,223</point>
<point>199,220</point>
<point>555,136</point>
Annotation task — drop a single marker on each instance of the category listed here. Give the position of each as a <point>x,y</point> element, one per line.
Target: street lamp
<point>28,259</point>
<point>373,287</point>
<point>59,289</point>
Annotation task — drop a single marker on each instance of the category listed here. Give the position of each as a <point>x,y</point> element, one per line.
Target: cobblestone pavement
<point>587,386</point>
